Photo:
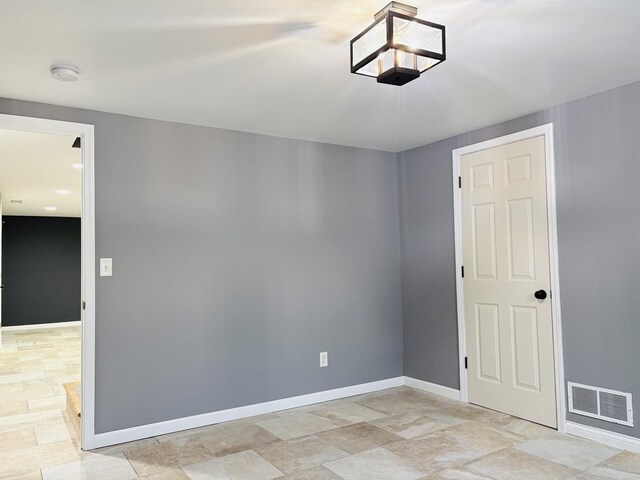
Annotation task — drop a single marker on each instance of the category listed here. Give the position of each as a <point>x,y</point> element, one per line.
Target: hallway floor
<point>397,434</point>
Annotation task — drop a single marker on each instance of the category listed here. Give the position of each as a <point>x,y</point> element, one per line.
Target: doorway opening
<point>47,267</point>
<point>507,288</point>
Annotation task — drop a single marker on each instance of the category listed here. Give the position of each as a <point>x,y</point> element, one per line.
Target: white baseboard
<point>616,440</point>
<point>432,388</point>
<point>41,326</point>
<point>170,426</point>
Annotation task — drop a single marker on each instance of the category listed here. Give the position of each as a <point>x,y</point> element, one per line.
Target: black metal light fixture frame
<point>398,75</point>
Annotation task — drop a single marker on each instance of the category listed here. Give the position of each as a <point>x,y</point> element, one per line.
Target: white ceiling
<point>33,166</point>
<point>281,67</point>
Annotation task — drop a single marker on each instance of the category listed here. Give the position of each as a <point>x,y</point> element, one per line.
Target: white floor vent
<point>608,405</point>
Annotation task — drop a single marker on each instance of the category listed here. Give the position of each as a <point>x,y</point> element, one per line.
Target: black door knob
<point>540,294</point>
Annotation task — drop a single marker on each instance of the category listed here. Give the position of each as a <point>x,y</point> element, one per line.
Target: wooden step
<point>74,404</point>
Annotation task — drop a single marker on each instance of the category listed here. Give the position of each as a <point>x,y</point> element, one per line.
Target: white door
<point>509,331</point>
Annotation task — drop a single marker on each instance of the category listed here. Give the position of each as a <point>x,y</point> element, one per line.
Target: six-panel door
<point>509,332</point>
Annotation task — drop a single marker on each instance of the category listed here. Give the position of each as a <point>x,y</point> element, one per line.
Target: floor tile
<point>236,438</point>
<point>376,464</point>
<point>399,402</point>
<point>16,439</point>
<point>247,465</point>
<point>604,472</point>
<point>318,473</point>
<point>298,425</point>
<point>56,432</point>
<point>572,452</point>
<point>482,437</point>
<point>434,452</point>
<point>457,473</point>
<point>512,464</point>
<point>93,468</point>
<point>524,428</point>
<point>347,413</point>
<point>627,461</point>
<point>359,437</point>
<point>173,474</point>
<point>158,458</point>
<point>410,424</point>
<point>301,453</point>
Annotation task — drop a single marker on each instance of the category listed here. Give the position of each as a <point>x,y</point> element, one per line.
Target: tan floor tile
<point>55,432</point>
<point>23,461</point>
<point>456,413</point>
<point>482,437</point>
<point>524,428</point>
<point>13,408</point>
<point>160,457</point>
<point>376,464</point>
<point>16,439</point>
<point>29,420</point>
<point>236,438</point>
<point>570,451</point>
<point>400,402</point>
<point>359,437</point>
<point>512,464</point>
<point>318,473</point>
<point>95,468</point>
<point>247,465</point>
<point>174,474</point>
<point>604,472</point>
<point>347,413</point>
<point>627,461</point>
<point>434,452</point>
<point>301,453</point>
<point>410,424</point>
<point>298,425</point>
<point>457,473</point>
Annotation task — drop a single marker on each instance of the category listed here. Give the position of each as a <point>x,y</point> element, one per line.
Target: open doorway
<point>46,208</point>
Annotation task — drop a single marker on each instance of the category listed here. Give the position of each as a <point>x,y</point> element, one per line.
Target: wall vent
<point>595,402</point>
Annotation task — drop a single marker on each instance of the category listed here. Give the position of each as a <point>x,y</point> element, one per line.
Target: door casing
<point>547,132</point>
<point>86,134</point>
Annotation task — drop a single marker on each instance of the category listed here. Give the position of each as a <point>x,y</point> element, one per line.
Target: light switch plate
<point>106,267</point>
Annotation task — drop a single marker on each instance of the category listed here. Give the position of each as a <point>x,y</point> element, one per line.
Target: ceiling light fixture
<point>64,73</point>
<point>50,209</point>
<point>63,191</point>
<point>398,46</point>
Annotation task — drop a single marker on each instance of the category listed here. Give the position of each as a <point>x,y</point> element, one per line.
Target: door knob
<point>540,294</point>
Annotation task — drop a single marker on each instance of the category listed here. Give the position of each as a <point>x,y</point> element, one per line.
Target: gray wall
<point>237,259</point>
<point>597,146</point>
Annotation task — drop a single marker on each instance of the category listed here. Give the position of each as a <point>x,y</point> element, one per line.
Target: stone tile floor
<point>397,434</point>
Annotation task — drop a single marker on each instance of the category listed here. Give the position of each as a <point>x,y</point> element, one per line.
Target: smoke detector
<point>64,73</point>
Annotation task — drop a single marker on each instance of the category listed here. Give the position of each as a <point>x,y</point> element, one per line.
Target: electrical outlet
<point>324,359</point>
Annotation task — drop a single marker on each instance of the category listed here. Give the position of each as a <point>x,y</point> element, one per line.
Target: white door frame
<point>547,132</point>
<point>85,132</point>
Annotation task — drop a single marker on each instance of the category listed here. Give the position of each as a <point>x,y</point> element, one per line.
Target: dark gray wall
<point>40,270</point>
<point>237,258</point>
<point>597,149</point>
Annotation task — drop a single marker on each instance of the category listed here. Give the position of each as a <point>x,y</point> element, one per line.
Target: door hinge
<point>462,271</point>
<point>84,305</point>
<point>459,182</point>
<point>466,363</point>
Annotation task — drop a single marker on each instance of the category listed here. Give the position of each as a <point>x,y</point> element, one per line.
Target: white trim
<point>547,132</point>
<point>616,440</point>
<point>86,134</point>
<point>41,326</point>
<point>441,390</point>
<point>170,426</point>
